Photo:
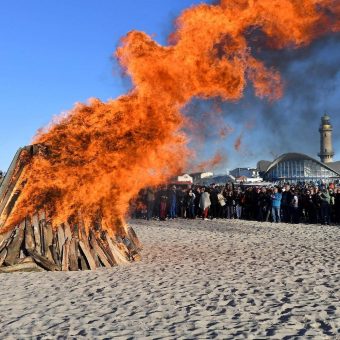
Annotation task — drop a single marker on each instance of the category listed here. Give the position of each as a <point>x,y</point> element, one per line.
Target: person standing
<point>294,206</point>
<point>197,193</point>
<point>150,201</point>
<point>214,201</point>
<point>205,203</point>
<point>276,198</point>
<point>230,203</point>
<point>172,202</point>
<point>285,204</point>
<point>182,203</point>
<point>190,199</point>
<point>311,206</point>
<point>263,204</point>
<point>239,200</point>
<point>325,206</point>
<point>163,205</point>
<point>221,201</point>
<point>337,205</point>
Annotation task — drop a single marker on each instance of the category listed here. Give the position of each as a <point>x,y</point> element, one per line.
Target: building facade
<point>245,172</point>
<point>300,168</point>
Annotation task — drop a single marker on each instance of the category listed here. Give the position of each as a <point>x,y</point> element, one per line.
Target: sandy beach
<point>198,279</point>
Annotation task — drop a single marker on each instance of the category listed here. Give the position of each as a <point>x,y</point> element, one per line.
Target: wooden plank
<point>4,239</point>
<point>83,263</point>
<point>61,237</point>
<point>88,256</point>
<point>36,232</point>
<point>42,223</point>
<point>67,229</point>
<point>11,238</point>
<point>43,261</point>
<point>29,236</point>
<point>117,254</point>
<point>22,267</point>
<point>14,248</point>
<point>42,236</point>
<point>102,257</point>
<point>48,239</point>
<point>73,255</point>
<point>133,237</point>
<point>82,234</point>
<point>95,257</point>
<point>85,248</point>
<point>54,250</point>
<point>106,249</point>
<point>26,259</point>
<point>65,261</point>
<point>3,255</point>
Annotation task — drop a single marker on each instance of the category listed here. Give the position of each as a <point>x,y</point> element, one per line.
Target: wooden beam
<point>43,261</point>
<point>29,235</point>
<point>36,232</point>
<point>13,253</point>
<point>117,254</point>
<point>22,267</point>
<point>73,255</point>
<point>102,257</point>
<point>65,259</point>
<point>88,256</point>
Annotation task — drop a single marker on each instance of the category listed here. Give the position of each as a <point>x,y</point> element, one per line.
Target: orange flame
<point>101,154</point>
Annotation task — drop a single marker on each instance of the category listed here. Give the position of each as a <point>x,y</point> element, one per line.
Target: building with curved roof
<point>298,167</point>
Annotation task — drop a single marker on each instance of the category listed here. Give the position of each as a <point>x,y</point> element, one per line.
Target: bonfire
<point>36,244</point>
<point>65,199</point>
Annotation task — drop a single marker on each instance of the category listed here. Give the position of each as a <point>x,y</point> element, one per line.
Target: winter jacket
<point>205,201</point>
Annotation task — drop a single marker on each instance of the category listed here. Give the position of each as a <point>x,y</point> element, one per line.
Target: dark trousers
<point>312,215</point>
<point>150,207</point>
<point>295,215</point>
<point>214,210</point>
<point>191,211</point>
<point>286,214</point>
<point>325,218</point>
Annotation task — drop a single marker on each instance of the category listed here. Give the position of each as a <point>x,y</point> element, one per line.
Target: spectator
<point>205,203</point>
<point>150,200</point>
<point>172,202</point>
<point>191,204</point>
<point>324,208</point>
<point>163,205</point>
<point>221,202</point>
<point>294,207</point>
<point>276,198</point>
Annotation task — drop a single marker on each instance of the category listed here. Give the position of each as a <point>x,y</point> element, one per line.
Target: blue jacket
<point>276,199</point>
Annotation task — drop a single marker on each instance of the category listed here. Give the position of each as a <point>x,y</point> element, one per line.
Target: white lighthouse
<point>326,147</point>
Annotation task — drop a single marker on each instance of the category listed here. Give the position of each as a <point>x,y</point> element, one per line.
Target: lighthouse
<point>326,147</point>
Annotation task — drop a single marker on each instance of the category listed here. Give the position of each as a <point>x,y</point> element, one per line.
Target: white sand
<point>198,279</point>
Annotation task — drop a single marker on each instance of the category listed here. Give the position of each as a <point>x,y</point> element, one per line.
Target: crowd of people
<point>287,203</point>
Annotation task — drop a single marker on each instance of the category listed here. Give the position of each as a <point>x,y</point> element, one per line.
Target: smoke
<point>311,78</point>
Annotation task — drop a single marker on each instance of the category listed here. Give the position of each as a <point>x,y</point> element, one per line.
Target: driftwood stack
<point>35,246</point>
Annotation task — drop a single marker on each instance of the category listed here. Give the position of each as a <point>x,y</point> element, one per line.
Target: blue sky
<point>56,53</point>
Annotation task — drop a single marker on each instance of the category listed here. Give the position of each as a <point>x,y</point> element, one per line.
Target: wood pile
<point>34,245</point>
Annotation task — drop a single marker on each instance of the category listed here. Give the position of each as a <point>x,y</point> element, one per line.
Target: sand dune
<point>198,279</point>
